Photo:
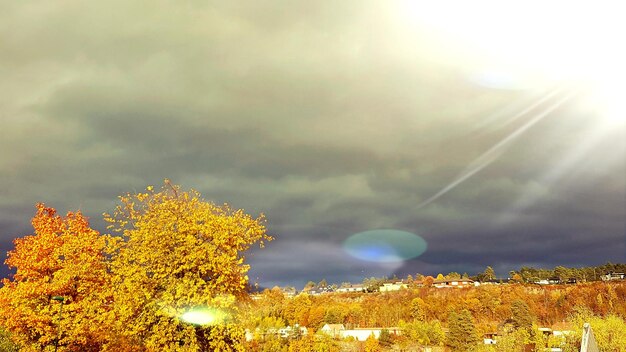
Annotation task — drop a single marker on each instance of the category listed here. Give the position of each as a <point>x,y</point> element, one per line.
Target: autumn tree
<point>517,278</point>
<point>609,331</point>
<point>428,281</point>
<point>372,284</point>
<point>453,276</point>
<point>180,255</point>
<point>512,341</point>
<point>6,343</point>
<point>425,333</point>
<point>325,343</point>
<point>562,273</point>
<point>489,274</point>
<point>371,344</point>
<point>63,259</point>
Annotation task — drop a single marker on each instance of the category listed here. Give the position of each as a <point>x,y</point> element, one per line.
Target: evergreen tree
<point>417,309</point>
<point>521,316</point>
<point>462,332</point>
<point>385,339</point>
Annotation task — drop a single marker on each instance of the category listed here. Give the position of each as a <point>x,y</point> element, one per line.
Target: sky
<point>490,133</point>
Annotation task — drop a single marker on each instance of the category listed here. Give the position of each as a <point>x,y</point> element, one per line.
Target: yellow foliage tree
<point>371,344</point>
<point>63,260</point>
<point>179,255</point>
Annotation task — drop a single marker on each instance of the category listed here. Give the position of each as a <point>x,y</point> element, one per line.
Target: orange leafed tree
<point>179,254</point>
<point>63,258</point>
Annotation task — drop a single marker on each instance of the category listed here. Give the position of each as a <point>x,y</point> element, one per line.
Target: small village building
<point>392,286</point>
<point>333,330</point>
<point>613,276</point>
<point>291,331</point>
<point>318,290</point>
<point>285,332</point>
<point>289,291</point>
<point>361,334</point>
<point>453,283</point>
<point>490,338</point>
<point>494,282</point>
<point>557,330</point>
<point>352,288</point>
<point>554,281</point>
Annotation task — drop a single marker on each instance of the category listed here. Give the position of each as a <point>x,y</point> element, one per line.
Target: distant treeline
<point>592,273</point>
<point>524,274</point>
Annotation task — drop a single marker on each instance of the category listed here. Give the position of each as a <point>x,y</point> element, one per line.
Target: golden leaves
<point>177,251</point>
<point>182,252</point>
<point>65,257</point>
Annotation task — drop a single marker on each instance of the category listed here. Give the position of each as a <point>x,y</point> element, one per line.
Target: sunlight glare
<point>199,317</point>
<point>541,43</point>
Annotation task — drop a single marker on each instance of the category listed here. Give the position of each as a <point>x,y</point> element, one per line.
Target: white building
<point>392,286</point>
<point>351,288</point>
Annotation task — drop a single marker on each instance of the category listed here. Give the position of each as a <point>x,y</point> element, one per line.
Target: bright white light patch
<point>199,317</point>
<point>548,43</point>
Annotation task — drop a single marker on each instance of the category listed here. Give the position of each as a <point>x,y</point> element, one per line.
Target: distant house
<point>455,283</point>
<point>290,331</point>
<point>318,290</point>
<point>557,330</point>
<point>554,280</point>
<point>351,288</point>
<point>289,291</point>
<point>392,286</point>
<point>490,338</point>
<point>333,330</point>
<point>285,332</point>
<point>494,282</point>
<point>613,276</point>
<point>361,334</point>
<point>562,328</point>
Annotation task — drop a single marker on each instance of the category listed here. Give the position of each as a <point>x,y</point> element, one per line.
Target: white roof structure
<point>588,343</point>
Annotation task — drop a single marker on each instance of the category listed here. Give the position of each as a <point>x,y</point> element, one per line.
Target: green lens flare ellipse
<point>385,245</point>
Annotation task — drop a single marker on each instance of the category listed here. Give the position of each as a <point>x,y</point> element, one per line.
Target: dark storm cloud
<point>331,119</point>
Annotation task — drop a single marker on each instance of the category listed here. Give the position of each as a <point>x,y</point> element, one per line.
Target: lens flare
<point>201,316</point>
<point>385,246</point>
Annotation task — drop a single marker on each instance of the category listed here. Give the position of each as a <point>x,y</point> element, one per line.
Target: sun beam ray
<point>496,151</point>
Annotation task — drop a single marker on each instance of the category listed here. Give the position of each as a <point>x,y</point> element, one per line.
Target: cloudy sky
<point>498,142</point>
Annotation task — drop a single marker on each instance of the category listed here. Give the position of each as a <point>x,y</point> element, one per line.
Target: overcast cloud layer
<point>331,119</point>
